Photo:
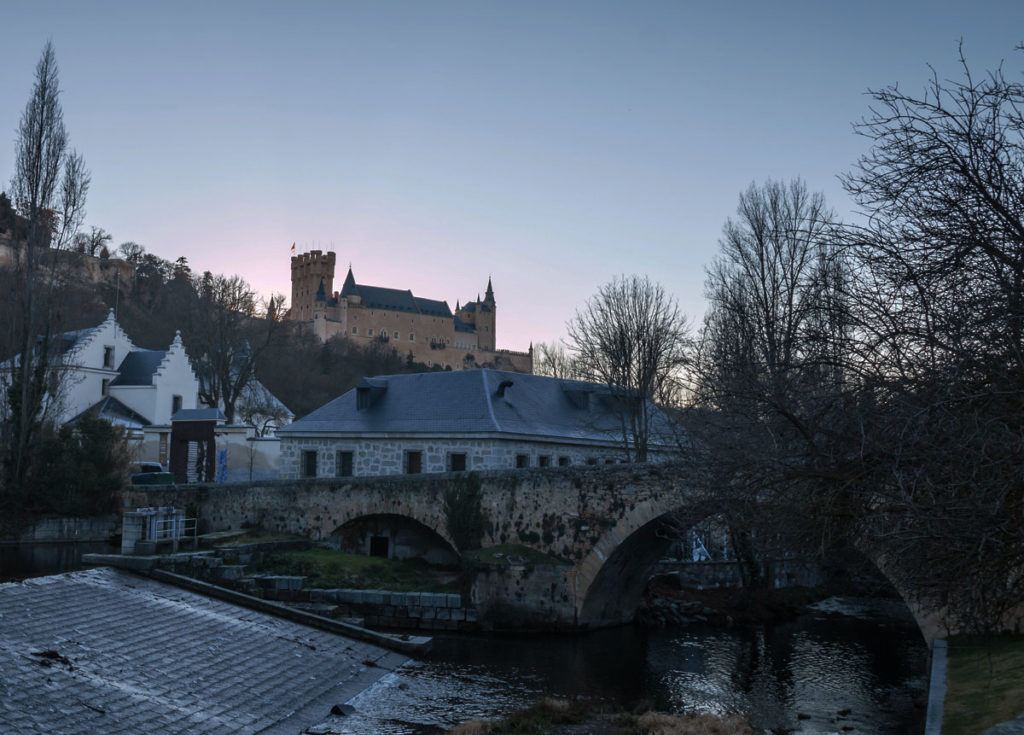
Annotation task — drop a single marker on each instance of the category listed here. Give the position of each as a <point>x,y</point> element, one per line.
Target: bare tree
<point>94,242</point>
<point>632,337</point>
<point>131,252</point>
<point>554,361</point>
<point>228,331</point>
<point>940,317</point>
<point>769,372</point>
<point>48,188</point>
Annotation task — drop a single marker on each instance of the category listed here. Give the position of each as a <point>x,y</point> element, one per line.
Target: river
<point>844,664</point>
<point>847,665</point>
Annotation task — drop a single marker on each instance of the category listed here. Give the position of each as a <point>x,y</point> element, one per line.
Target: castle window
<point>369,332</point>
<point>355,330</point>
<point>396,335</point>
<point>412,337</point>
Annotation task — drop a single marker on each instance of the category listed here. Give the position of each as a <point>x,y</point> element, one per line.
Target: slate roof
<point>468,402</point>
<point>113,411</point>
<point>199,414</point>
<point>138,367</point>
<point>461,326</point>
<point>432,307</point>
<point>393,299</point>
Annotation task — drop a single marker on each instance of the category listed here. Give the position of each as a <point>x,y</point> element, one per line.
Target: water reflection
<point>22,561</point>
<point>836,671</point>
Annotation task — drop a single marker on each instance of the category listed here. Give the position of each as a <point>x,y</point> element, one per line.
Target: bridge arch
<point>611,578</point>
<point>394,536</point>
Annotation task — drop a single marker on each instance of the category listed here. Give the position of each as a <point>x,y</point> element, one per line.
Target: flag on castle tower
<point>293,248</point>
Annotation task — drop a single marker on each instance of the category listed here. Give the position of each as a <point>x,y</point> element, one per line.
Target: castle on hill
<point>425,328</point>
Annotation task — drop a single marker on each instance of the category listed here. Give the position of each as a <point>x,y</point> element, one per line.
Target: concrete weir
<point>106,651</point>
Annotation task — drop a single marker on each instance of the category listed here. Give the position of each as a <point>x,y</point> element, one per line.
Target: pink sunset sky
<point>548,145</point>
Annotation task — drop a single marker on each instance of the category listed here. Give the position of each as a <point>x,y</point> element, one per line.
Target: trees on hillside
<point>94,242</point>
<point>554,361</point>
<point>227,332</point>
<point>632,337</point>
<point>48,190</point>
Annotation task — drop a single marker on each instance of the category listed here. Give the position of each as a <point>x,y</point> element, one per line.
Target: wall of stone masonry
<point>561,511</point>
<point>518,597</point>
<point>387,456</point>
<point>406,610</point>
<point>89,528</point>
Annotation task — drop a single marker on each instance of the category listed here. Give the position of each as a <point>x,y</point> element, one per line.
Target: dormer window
<point>108,357</point>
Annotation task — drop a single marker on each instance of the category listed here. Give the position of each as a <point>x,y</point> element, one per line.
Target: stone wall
<point>524,597</point>
<point>90,528</point>
<point>387,456</point>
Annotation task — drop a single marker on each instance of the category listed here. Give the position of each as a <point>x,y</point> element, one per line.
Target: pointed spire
<point>457,307</point>
<point>490,291</point>
<point>321,293</point>
<point>350,283</point>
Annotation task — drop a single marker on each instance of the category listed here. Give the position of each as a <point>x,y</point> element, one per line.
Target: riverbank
<point>985,684</point>
<point>553,716</point>
<point>664,604</point>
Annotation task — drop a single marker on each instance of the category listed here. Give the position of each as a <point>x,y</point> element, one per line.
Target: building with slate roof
<point>427,329</point>
<point>462,421</point>
<point>102,373</point>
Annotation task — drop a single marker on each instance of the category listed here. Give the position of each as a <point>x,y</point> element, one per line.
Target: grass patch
<point>985,683</point>
<point>550,716</point>
<point>248,538</point>
<point>535,720</point>
<point>500,555</point>
<point>331,569</point>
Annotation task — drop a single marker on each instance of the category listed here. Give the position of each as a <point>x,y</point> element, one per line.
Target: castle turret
<point>310,271</point>
<point>485,320</point>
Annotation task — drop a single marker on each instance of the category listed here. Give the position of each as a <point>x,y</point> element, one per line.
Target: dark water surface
<point>21,561</point>
<point>818,666</point>
<point>845,654</point>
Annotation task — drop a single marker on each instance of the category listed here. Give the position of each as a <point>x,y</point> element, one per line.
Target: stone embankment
<point>230,568</point>
<point>659,612</point>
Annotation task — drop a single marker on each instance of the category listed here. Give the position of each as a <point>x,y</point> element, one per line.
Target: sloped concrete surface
<point>105,651</point>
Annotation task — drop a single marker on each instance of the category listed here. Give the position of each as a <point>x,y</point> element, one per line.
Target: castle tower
<point>310,271</point>
<point>485,321</point>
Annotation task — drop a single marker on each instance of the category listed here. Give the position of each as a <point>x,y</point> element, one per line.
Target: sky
<point>550,146</point>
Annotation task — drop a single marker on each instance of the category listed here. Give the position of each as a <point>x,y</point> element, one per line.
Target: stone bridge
<point>604,527</point>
